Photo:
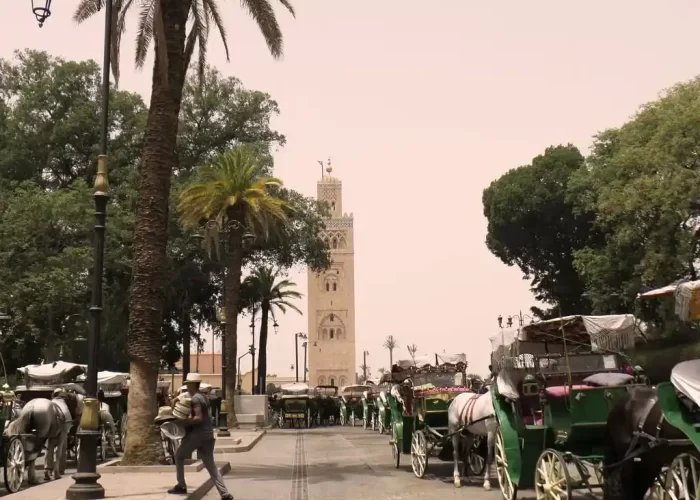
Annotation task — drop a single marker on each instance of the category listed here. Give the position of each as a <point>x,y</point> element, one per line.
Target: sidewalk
<point>139,485</point>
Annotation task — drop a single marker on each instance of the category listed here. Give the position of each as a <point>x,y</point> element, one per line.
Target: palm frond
<point>289,7</point>
<point>211,10</point>
<point>86,9</point>
<point>264,15</point>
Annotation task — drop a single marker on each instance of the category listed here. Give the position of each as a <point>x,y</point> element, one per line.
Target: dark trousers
<point>205,452</point>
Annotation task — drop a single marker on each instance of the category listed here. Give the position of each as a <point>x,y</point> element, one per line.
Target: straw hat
<point>182,408</point>
<point>165,413</point>
<point>193,377</point>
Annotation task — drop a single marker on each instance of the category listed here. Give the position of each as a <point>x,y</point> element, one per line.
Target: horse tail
<point>21,423</point>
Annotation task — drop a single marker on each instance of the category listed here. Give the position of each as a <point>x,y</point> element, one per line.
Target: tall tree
<point>533,224</point>
<point>390,344</point>
<point>643,184</point>
<point>267,291</point>
<point>235,192</point>
<point>165,24</point>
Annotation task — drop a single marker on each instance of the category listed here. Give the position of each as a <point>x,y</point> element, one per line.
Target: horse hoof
<point>487,486</point>
<point>458,482</point>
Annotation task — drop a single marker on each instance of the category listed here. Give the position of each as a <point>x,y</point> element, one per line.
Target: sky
<point>420,109</point>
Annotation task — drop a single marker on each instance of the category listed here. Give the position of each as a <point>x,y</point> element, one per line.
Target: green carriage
<point>351,403</point>
<point>295,407</point>
<point>419,402</point>
<point>369,407</point>
<point>557,381</point>
<point>383,410</point>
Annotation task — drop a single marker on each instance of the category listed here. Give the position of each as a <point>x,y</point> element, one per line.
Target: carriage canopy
<point>57,373</point>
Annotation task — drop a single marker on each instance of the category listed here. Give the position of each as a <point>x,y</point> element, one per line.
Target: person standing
<point>199,436</point>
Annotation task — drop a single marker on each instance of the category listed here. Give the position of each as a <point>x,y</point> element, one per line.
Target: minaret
<point>331,296</point>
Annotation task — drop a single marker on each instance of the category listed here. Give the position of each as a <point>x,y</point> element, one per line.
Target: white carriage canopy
<point>110,383</point>
<point>59,372</point>
<point>296,389</point>
<point>686,295</point>
<point>685,377</point>
<point>517,350</point>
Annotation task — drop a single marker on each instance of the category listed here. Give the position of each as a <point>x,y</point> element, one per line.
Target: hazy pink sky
<point>420,109</point>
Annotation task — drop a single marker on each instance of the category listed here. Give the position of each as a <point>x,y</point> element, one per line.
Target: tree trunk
<point>262,356</point>
<point>146,299</point>
<point>234,261</point>
<point>391,358</point>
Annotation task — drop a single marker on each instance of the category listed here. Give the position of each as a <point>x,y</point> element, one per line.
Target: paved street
<point>335,463</point>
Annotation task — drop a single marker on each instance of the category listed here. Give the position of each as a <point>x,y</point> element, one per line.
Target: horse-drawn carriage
<point>369,407</point>
<point>351,403</point>
<point>557,382</point>
<point>325,405</point>
<point>383,412</point>
<point>295,409</point>
<point>420,402</point>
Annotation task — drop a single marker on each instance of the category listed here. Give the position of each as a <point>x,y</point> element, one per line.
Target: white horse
<point>52,420</point>
<point>472,415</point>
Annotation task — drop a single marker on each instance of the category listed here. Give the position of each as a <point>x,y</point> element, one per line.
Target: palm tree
<point>164,23</point>
<point>412,349</point>
<point>391,344</point>
<point>235,193</point>
<point>268,293</point>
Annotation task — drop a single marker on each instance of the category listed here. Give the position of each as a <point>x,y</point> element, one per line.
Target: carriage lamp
<point>41,13</point>
<point>500,321</point>
<point>276,326</point>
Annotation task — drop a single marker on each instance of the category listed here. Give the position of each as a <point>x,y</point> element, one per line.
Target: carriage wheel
<point>309,419</point>
<point>380,426</point>
<point>374,422</point>
<point>342,418</point>
<point>552,479</point>
<point>395,450</point>
<point>352,418</point>
<point>683,478</point>
<point>508,489</point>
<point>474,461</point>
<point>14,465</point>
<point>419,454</point>
<point>365,423</point>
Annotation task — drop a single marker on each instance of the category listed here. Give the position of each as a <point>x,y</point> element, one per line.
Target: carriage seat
<point>561,391</point>
<point>685,377</point>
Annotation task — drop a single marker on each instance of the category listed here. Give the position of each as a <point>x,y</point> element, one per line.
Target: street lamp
<point>364,365</point>
<point>520,317</point>
<point>298,336</point>
<point>42,13</point>
<point>222,424</point>
<point>224,229</point>
<point>86,485</point>
<point>304,344</point>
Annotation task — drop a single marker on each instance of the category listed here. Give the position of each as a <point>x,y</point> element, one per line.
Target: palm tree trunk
<point>146,299</point>
<point>234,262</point>
<point>262,357</point>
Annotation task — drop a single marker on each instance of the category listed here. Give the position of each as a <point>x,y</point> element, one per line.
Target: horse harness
<point>467,413</point>
<point>635,449</point>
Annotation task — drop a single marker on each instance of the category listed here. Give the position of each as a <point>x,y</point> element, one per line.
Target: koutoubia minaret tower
<point>332,295</point>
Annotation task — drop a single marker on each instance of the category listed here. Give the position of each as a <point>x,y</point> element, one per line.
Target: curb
<point>207,485</point>
<point>241,449</point>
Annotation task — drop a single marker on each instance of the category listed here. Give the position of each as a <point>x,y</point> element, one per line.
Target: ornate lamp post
<point>305,345</point>
<point>223,427</point>
<point>86,484</point>
<point>42,12</point>
<point>298,336</point>
<point>224,230</point>
<point>520,317</point>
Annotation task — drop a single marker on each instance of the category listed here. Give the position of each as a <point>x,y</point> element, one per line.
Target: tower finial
<point>329,169</point>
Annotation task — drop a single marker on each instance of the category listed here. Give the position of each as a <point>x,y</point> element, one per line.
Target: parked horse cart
<point>12,448</point>
<point>425,388</point>
<point>557,382</point>
<point>295,409</point>
<point>351,403</point>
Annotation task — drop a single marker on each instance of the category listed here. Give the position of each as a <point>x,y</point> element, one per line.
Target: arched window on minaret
<point>335,286</point>
<point>339,333</point>
<point>332,333</point>
<point>321,380</point>
<point>328,287</point>
<point>325,334</point>
<point>332,381</point>
<point>334,243</point>
<point>343,381</point>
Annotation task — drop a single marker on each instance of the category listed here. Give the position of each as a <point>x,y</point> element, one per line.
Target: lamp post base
<point>86,486</point>
<point>223,427</point>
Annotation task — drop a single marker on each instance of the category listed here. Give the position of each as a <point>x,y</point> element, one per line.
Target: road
<point>335,463</point>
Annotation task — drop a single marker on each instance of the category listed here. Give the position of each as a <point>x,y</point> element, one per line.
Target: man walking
<point>199,436</point>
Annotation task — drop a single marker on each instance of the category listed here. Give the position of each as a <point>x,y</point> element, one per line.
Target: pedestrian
<point>199,436</point>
